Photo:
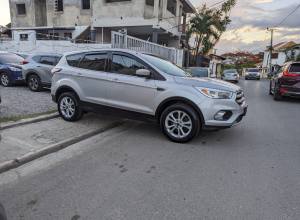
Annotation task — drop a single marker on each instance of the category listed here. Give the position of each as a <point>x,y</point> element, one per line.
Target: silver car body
<point>37,64</point>
<point>143,98</point>
<point>230,75</point>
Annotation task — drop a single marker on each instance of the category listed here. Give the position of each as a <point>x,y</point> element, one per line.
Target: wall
<point>47,46</point>
<point>27,20</point>
<point>40,13</point>
<point>31,35</point>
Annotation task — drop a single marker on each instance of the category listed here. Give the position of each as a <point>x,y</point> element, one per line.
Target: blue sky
<point>250,19</point>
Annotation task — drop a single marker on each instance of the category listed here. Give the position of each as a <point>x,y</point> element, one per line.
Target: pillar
<point>93,36</point>
<point>154,35</point>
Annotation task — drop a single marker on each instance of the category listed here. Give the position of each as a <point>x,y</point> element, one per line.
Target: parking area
<point>18,100</point>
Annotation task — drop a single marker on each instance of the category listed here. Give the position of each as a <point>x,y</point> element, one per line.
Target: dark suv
<point>252,74</point>
<point>286,82</point>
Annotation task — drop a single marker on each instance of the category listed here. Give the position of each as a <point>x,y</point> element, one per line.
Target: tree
<point>241,59</point>
<point>207,25</point>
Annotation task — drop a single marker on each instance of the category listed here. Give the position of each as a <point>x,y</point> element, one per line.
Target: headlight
<point>14,69</point>
<point>215,94</point>
<point>247,73</point>
<point>258,73</point>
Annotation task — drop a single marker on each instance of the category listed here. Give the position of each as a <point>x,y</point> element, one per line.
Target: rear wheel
<point>69,107</point>
<point>180,123</point>
<point>276,94</point>
<point>270,89</point>
<point>34,83</point>
<point>5,80</point>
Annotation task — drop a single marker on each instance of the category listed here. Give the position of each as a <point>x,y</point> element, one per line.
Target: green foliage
<point>290,53</point>
<point>207,25</point>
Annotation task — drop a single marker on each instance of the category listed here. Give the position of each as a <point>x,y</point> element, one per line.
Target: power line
<point>287,16</point>
<point>217,3</point>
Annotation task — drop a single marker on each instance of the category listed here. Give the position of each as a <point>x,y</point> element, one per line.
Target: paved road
<point>247,172</point>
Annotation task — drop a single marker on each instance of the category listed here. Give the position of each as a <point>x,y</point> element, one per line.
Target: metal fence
<point>119,40</point>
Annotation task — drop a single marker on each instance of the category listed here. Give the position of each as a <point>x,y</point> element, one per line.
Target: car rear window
<point>253,70</point>
<point>199,72</point>
<point>229,71</point>
<point>11,58</point>
<point>295,68</point>
<point>73,60</point>
<point>94,62</point>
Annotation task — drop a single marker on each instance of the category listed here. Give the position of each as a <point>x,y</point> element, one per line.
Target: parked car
<point>286,82</point>
<point>230,75</point>
<point>24,55</point>
<point>2,213</point>
<point>10,69</point>
<point>201,72</point>
<point>252,74</point>
<point>145,87</point>
<point>37,70</point>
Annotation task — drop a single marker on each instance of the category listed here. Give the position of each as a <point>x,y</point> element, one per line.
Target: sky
<point>248,29</point>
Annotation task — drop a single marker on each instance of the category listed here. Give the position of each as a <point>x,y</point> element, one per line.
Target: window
<point>23,36</point>
<point>36,58</point>
<point>73,60</point>
<point>68,35</point>
<point>48,60</point>
<point>150,2</point>
<point>295,68</point>
<point>126,65</point>
<point>253,70</point>
<point>274,55</point>
<point>94,62</point>
<point>111,1</point>
<point>86,4</point>
<point>21,9</point>
<point>60,5</point>
<point>56,36</point>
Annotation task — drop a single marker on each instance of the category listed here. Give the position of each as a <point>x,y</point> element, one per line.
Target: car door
<point>44,67</point>
<point>91,76</point>
<point>127,91</point>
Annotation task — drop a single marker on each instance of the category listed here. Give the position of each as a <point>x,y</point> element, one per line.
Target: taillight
<point>286,73</point>
<point>25,62</point>
<point>55,70</point>
<point>234,74</point>
<point>282,90</point>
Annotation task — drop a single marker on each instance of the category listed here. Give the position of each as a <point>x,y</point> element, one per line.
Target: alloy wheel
<point>67,107</point>
<point>178,124</point>
<point>4,80</point>
<point>33,83</point>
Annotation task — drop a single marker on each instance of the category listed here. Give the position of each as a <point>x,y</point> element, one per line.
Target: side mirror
<point>143,73</point>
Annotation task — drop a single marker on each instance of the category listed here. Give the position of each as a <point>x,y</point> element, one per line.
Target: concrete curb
<point>29,121</point>
<point>8,165</point>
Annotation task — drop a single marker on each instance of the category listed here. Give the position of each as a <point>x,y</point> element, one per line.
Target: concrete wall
<point>40,13</point>
<point>31,35</point>
<point>27,20</point>
<point>47,46</point>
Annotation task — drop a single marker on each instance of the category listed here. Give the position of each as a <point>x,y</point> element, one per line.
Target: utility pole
<point>271,47</point>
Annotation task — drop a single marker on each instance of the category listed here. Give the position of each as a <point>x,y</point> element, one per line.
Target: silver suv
<point>37,68</point>
<point>145,87</point>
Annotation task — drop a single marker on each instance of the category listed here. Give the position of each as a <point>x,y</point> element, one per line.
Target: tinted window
<point>73,60</point>
<point>94,62</point>
<point>86,4</point>
<point>10,58</point>
<point>48,60</point>
<point>21,9</point>
<point>253,70</point>
<point>36,58</point>
<point>166,66</point>
<point>126,65</point>
<point>199,72</point>
<point>229,71</point>
<point>295,68</point>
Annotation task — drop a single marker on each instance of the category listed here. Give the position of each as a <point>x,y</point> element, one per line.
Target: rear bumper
<point>235,78</point>
<point>291,93</point>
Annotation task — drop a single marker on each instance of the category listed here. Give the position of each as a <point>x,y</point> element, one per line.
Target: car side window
<point>126,65</point>
<point>47,60</point>
<point>36,58</point>
<point>73,60</point>
<point>94,62</point>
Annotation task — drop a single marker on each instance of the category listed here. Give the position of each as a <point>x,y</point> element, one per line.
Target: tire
<point>72,111</point>
<point>276,94</point>
<point>258,79</point>
<point>5,80</point>
<point>246,78</point>
<point>237,81</point>
<point>180,133</point>
<point>34,83</point>
<point>2,213</point>
<point>270,90</point>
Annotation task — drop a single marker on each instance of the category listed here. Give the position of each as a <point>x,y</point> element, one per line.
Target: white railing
<point>119,40</point>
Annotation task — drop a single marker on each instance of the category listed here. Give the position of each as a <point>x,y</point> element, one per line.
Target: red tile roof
<point>283,45</point>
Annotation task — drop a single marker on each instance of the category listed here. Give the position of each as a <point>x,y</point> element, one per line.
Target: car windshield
<point>199,72</point>
<point>229,71</point>
<point>166,66</point>
<point>253,70</point>
<point>10,58</point>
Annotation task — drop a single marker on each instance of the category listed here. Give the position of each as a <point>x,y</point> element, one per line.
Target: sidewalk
<point>30,139</point>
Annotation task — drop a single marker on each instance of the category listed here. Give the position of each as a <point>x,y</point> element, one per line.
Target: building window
<point>21,9</point>
<point>150,2</point>
<point>23,36</point>
<point>86,4</point>
<point>68,35</point>
<point>54,36</point>
<point>111,1</point>
<point>274,55</point>
<point>60,5</point>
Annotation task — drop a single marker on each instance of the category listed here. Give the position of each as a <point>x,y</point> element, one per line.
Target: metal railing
<point>119,40</point>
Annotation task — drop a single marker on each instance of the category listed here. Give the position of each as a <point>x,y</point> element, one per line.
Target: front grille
<point>240,99</point>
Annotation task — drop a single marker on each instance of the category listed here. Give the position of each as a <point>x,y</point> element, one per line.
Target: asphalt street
<point>251,171</point>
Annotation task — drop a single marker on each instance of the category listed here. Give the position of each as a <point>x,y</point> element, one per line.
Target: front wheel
<point>180,123</point>
<point>69,107</point>
<point>34,83</point>
<point>5,80</point>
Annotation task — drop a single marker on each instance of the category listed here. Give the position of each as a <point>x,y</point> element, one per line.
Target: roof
<point>259,64</point>
<point>283,45</point>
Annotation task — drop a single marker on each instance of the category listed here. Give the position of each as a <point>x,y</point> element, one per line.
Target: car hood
<point>19,65</point>
<point>207,83</point>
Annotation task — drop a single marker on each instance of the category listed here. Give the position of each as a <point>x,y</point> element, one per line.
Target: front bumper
<point>210,107</point>
<point>16,76</point>
<point>234,78</point>
<point>252,76</point>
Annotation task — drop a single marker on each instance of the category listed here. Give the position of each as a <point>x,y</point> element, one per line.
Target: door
<point>44,67</point>
<point>91,76</point>
<point>127,91</point>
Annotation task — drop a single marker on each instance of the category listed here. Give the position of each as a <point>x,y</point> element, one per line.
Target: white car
<point>230,75</point>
